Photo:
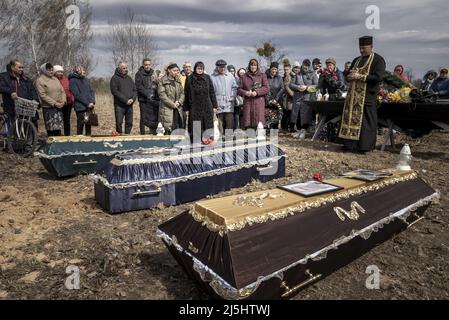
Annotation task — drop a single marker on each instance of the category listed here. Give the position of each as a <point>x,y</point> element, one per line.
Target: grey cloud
<point>319,29</point>
<point>310,14</point>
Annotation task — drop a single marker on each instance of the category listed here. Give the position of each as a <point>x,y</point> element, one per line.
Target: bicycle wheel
<point>22,138</point>
<point>3,132</point>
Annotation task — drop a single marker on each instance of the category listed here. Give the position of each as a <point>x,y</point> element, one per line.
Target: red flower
<point>208,141</point>
<point>318,177</point>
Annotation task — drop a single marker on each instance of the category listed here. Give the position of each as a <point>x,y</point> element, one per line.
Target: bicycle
<point>20,136</point>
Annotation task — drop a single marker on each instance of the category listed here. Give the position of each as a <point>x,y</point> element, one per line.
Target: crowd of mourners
<point>179,97</point>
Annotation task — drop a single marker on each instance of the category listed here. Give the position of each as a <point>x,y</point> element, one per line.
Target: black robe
<point>200,101</point>
<point>368,133</point>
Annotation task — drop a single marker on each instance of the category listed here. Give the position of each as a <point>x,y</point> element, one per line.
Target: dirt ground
<point>47,225</point>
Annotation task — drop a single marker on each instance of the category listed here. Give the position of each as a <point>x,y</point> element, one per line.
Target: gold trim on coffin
<point>111,138</point>
<point>352,214</point>
<point>222,225</point>
<point>352,117</point>
<point>197,154</point>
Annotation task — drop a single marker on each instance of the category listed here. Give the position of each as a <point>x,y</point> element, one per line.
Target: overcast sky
<point>412,32</point>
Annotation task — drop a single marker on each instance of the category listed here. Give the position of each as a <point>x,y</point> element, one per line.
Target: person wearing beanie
<point>303,87</point>
<point>238,108</point>
<point>286,95</point>
<point>316,64</point>
<point>359,119</point>
<point>331,61</point>
<point>274,65</point>
<point>331,80</point>
<point>53,99</point>
<point>275,81</point>
<point>172,96</point>
<point>67,109</point>
<point>231,69</point>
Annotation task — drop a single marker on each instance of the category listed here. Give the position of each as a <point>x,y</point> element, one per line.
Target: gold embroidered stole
<point>352,118</point>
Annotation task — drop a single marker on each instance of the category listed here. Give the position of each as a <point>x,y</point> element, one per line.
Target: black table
<point>394,116</point>
<point>329,112</point>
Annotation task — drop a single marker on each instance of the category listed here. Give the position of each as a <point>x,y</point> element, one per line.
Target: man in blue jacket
<point>14,84</point>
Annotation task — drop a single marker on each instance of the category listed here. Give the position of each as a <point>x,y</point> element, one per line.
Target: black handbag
<point>91,118</point>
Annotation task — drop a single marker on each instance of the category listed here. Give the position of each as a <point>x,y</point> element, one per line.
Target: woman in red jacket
<point>67,109</point>
<point>253,88</point>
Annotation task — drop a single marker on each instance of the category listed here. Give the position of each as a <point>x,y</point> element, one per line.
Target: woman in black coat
<point>200,102</point>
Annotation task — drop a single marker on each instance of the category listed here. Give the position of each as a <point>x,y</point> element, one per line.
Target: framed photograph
<point>366,175</point>
<point>310,188</point>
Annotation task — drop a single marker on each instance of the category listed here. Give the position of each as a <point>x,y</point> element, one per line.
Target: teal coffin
<point>68,156</point>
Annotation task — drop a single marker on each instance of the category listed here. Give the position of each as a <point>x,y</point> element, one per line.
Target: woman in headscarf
<point>67,110</point>
<point>253,88</point>
<point>200,102</point>
<point>428,79</point>
<point>53,99</point>
<point>399,72</point>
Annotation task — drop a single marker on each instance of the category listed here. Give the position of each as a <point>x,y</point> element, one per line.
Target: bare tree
<point>67,46</point>
<point>35,32</point>
<point>131,42</point>
<point>269,52</point>
<point>19,30</point>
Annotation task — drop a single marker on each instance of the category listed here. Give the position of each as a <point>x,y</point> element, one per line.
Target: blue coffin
<point>143,180</point>
<point>68,156</point>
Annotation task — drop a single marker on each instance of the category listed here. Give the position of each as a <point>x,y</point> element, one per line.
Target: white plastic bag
<point>216,129</point>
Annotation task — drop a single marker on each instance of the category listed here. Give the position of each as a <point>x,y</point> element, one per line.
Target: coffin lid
<point>108,145</point>
<point>149,167</point>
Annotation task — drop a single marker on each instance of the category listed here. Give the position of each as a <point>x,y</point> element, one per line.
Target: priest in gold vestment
<point>359,119</point>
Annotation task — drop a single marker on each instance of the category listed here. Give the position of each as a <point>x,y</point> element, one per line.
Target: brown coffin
<point>236,251</point>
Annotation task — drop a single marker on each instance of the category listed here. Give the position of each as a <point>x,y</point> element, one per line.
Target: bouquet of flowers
<point>401,96</point>
<point>256,85</point>
<point>273,116</point>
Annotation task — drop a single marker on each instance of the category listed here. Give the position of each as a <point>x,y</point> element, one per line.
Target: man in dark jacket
<point>148,98</point>
<point>84,98</point>
<point>14,84</point>
<point>125,94</point>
